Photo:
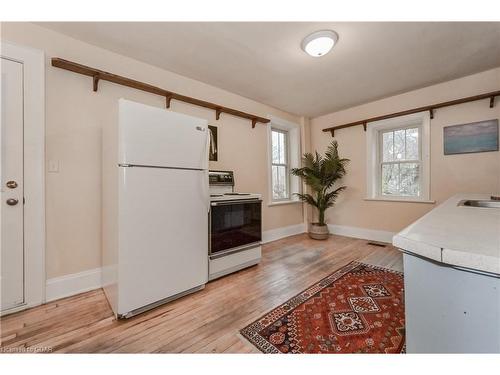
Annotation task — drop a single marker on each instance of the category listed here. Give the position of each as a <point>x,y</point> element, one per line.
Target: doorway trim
<point>34,170</point>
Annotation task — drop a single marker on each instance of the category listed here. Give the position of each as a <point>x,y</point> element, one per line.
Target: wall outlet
<point>53,166</point>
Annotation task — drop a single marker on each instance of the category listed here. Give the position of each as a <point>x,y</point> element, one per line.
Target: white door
<point>163,234</point>
<point>152,136</point>
<point>11,179</point>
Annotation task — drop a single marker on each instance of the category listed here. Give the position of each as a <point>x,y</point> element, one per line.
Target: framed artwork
<point>213,151</point>
<point>479,136</point>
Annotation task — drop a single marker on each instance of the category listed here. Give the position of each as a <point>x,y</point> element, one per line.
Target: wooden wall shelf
<point>490,95</point>
<point>98,75</point>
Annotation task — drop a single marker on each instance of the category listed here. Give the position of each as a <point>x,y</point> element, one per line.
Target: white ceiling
<point>264,62</point>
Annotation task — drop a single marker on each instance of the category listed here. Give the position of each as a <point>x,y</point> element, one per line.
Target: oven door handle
<point>243,201</point>
<point>234,250</point>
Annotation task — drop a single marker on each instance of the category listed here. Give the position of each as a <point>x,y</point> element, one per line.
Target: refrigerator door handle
<point>206,192</point>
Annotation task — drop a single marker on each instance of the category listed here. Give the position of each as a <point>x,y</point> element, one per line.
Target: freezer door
<point>153,136</point>
<point>163,234</point>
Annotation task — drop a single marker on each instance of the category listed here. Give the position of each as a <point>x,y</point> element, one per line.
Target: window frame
<point>375,131</point>
<point>381,162</point>
<point>294,157</point>
<point>286,134</point>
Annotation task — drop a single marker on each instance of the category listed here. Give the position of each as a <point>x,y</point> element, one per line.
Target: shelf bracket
<point>95,81</point>
<point>254,121</point>
<point>217,113</point>
<point>332,132</point>
<point>168,99</point>
<point>364,126</point>
<point>492,95</point>
<point>101,75</point>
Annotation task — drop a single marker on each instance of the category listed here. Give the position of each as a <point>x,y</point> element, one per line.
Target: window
<point>398,158</point>
<point>279,165</point>
<point>284,154</point>
<point>400,162</point>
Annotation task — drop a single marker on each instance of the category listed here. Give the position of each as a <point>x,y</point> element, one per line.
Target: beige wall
<point>478,173</point>
<point>74,116</point>
<point>73,138</point>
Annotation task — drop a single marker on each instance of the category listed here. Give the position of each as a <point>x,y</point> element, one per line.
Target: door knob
<point>12,201</point>
<point>11,184</point>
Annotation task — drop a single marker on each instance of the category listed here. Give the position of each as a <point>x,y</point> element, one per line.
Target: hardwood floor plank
<point>207,321</point>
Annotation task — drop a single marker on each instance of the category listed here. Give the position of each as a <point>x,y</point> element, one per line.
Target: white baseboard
<point>69,285</point>
<point>341,230</point>
<point>363,233</point>
<point>278,233</point>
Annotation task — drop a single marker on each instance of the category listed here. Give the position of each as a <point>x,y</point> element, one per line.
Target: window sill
<point>425,201</point>
<point>282,203</point>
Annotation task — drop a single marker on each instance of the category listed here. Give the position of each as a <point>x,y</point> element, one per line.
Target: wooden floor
<point>207,321</point>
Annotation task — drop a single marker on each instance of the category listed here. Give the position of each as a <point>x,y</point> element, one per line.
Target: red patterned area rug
<point>357,309</point>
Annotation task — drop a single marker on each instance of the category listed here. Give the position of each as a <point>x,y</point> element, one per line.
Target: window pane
<point>279,147</point>
<point>412,144</point>
<point>275,146</point>
<point>275,181</point>
<point>283,181</point>
<point>280,190</point>
<point>390,179</point>
<point>409,179</point>
<point>282,146</point>
<point>387,146</point>
<point>399,144</point>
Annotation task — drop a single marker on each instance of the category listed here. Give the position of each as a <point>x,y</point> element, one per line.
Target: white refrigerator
<point>155,206</point>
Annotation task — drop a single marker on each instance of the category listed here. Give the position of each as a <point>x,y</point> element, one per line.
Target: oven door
<point>234,226</point>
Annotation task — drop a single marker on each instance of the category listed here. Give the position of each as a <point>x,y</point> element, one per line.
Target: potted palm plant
<point>321,173</point>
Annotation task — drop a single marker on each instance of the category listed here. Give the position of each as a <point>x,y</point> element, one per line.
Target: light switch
<point>54,166</point>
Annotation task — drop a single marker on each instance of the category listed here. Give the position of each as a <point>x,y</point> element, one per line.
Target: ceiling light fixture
<point>320,42</point>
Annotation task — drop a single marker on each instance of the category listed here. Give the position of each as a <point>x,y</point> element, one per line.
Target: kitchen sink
<point>480,203</point>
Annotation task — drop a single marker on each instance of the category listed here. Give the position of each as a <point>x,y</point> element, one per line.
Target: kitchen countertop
<point>461,236</point>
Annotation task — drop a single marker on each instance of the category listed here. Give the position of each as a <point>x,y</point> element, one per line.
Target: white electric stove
<point>235,226</point>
